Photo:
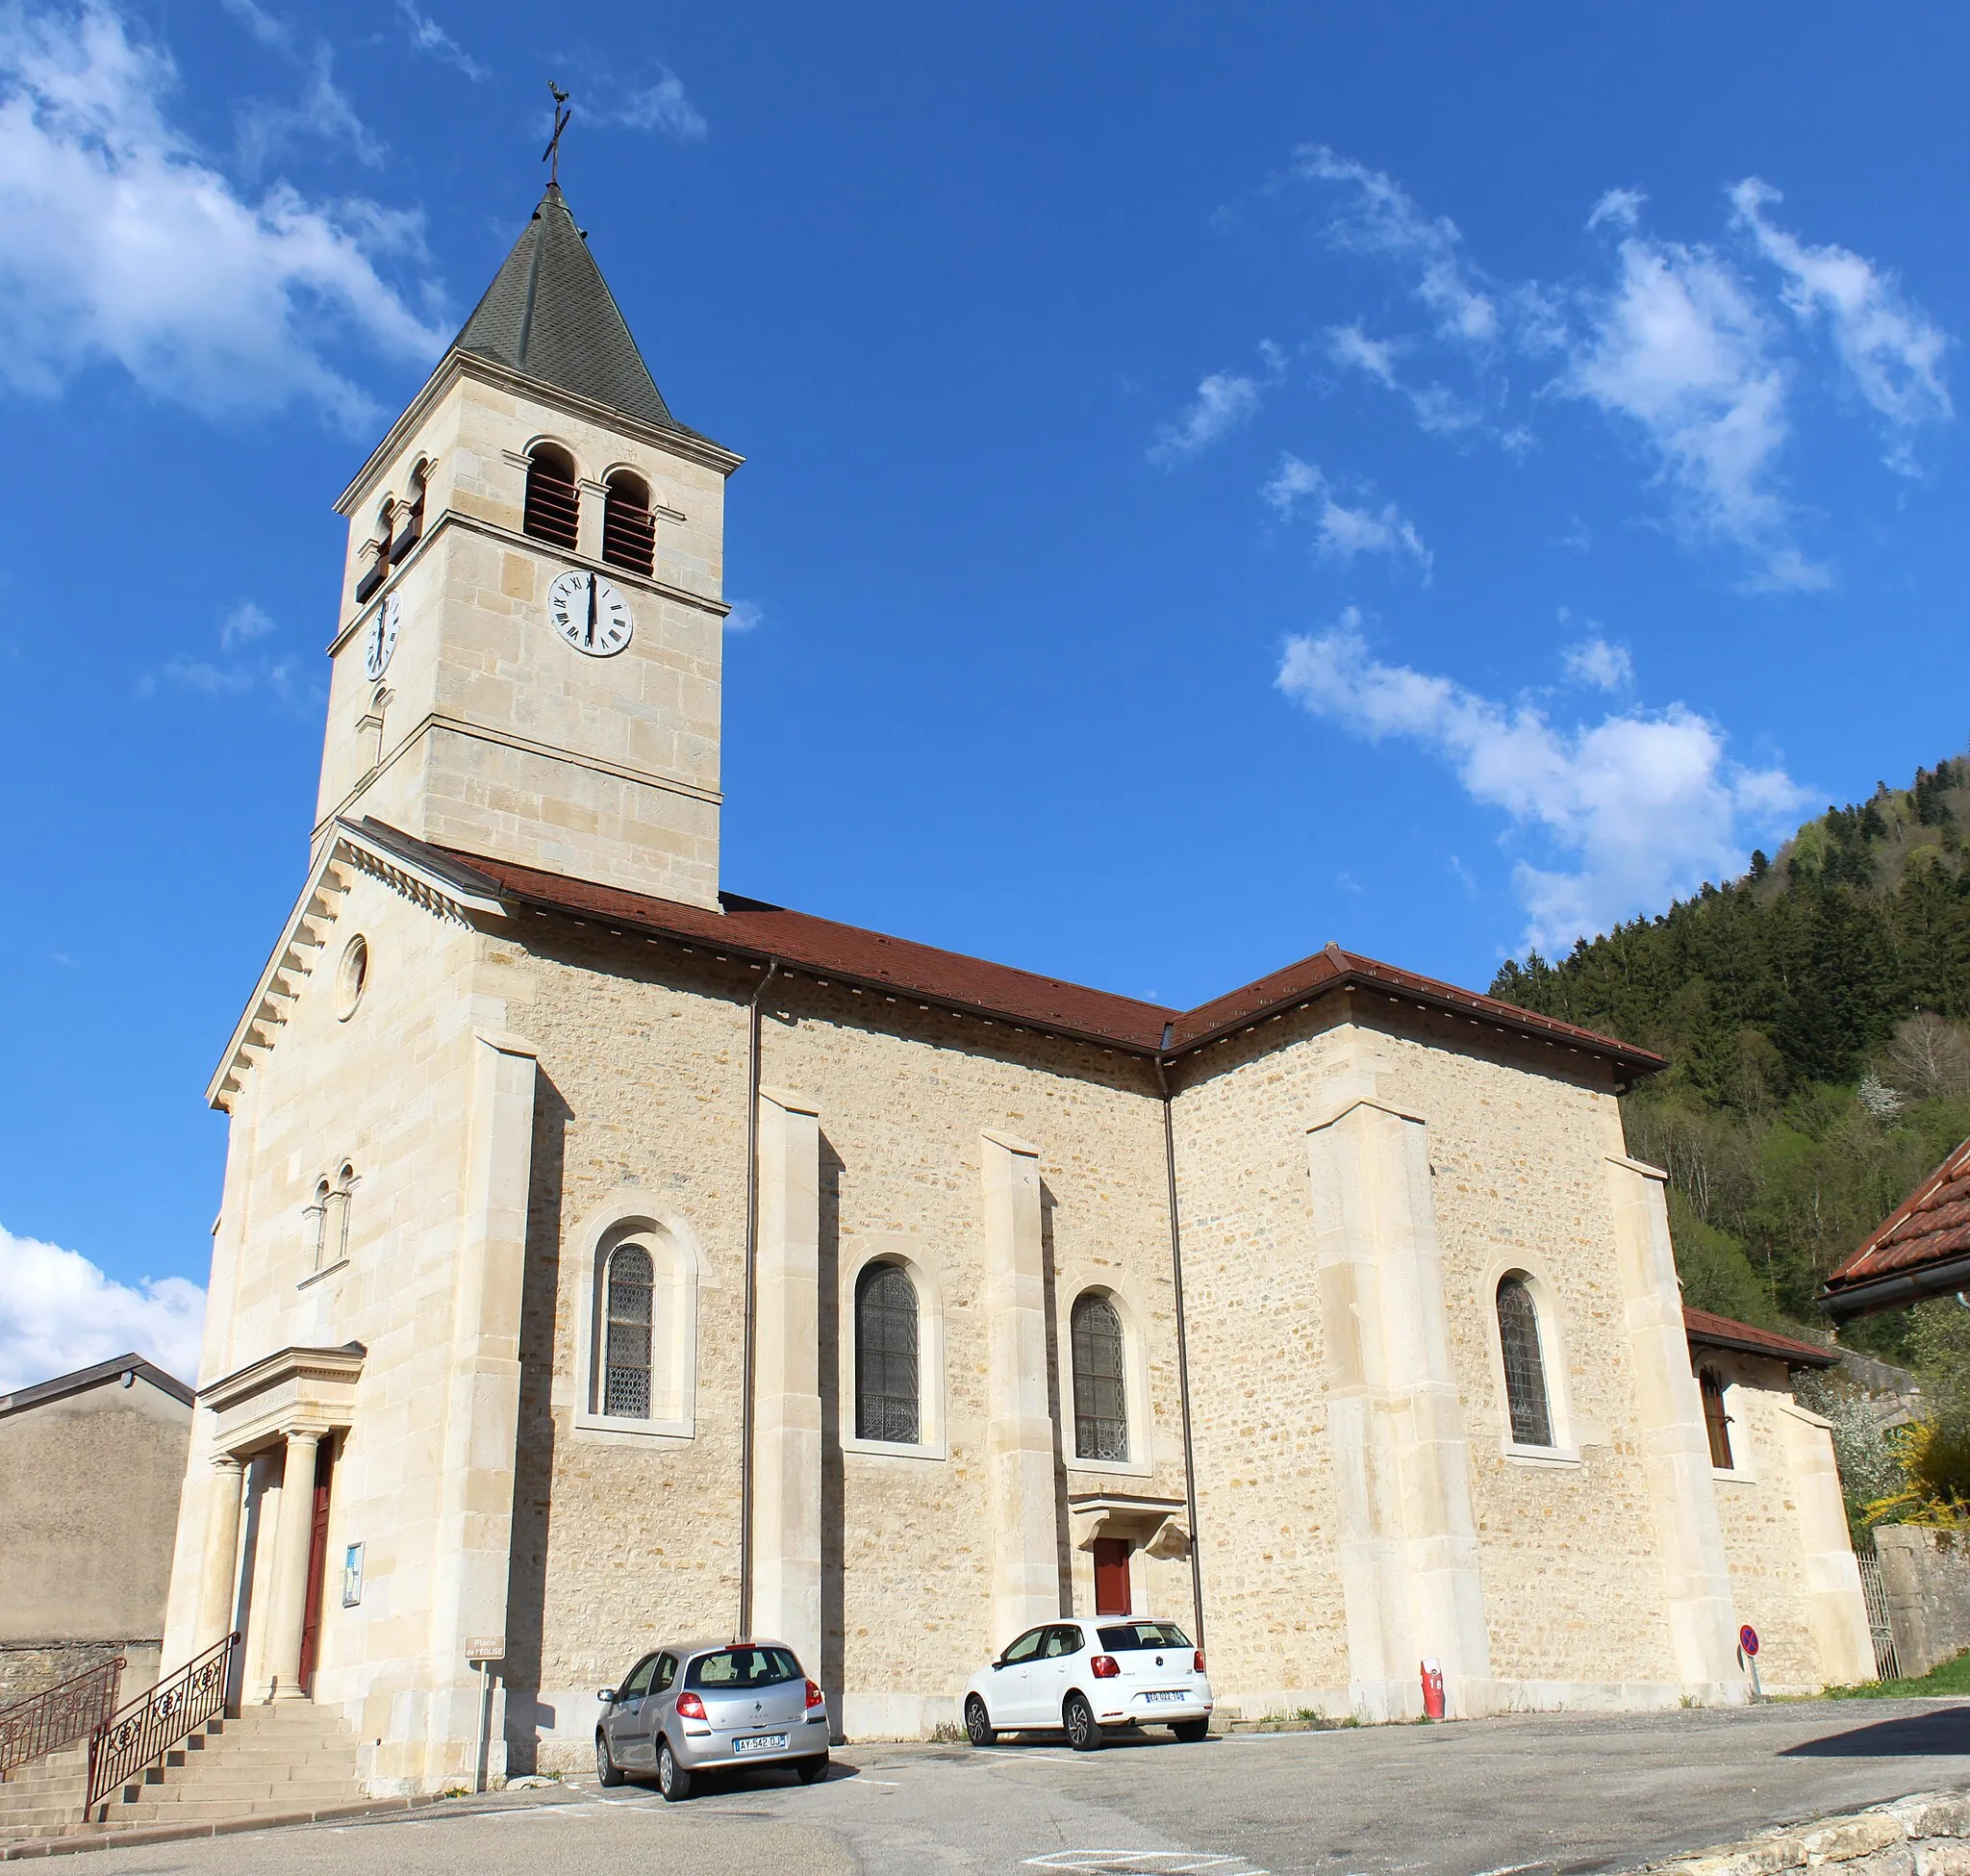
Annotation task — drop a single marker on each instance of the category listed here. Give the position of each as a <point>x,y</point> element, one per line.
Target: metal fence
<point>1885,1667</point>
<point>141,1733</point>
<point>58,1715</point>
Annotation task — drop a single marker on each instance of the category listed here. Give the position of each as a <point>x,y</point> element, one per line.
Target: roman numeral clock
<point>589,613</point>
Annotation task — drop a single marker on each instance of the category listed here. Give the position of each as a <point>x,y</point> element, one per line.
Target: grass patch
<point>1946,1678</point>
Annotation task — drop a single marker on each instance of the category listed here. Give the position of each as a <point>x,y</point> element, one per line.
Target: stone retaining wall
<point>1926,1575</point>
<point>1920,1836</point>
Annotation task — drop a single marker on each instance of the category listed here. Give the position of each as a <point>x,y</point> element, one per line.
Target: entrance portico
<point>283,1411</point>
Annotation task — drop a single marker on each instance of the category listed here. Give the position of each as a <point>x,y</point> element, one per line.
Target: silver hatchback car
<point>700,1706</point>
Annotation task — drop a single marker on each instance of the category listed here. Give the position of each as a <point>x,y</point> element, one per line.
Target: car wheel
<point>1083,1735</point>
<point>672,1779</point>
<point>606,1772</point>
<point>978,1727</point>
<point>1190,1732</point>
<point>814,1769</point>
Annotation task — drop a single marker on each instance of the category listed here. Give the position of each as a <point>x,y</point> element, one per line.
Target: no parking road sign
<point>1748,1640</point>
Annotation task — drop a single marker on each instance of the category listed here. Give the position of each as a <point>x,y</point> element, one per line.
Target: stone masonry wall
<point>1919,1836</point>
<point>1925,1576</point>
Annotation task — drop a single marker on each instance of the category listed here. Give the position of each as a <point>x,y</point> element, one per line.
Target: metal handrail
<point>149,1726</point>
<point>71,1709</point>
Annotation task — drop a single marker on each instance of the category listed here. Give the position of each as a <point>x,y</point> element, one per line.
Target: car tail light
<point>814,1697</point>
<point>689,1707</point>
<point>1106,1668</point>
<point>1197,1662</point>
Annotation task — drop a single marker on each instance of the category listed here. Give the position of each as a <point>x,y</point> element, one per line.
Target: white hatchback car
<point>1080,1677</point>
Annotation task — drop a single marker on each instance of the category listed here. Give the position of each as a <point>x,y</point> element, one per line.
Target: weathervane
<point>551,155</point>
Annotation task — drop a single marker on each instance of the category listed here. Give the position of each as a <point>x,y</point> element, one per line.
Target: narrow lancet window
<point>552,512</point>
<point>1100,1391</point>
<point>629,530</point>
<point>1716,1421</point>
<point>886,1370</point>
<point>1524,1368</point>
<point>626,1373</point>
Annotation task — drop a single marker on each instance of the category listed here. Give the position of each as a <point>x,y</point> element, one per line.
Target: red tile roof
<point>1720,1332</point>
<point>1930,1227</point>
<point>752,929</point>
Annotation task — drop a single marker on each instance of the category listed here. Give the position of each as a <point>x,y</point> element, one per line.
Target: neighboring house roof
<point>1706,1330</point>
<point>753,928</point>
<point>550,315</point>
<point>83,1378</point>
<point>1922,1249</point>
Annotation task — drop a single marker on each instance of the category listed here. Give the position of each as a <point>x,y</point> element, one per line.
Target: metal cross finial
<point>551,155</point>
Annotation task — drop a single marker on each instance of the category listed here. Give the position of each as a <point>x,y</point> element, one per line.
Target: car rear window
<point>1131,1636</point>
<point>741,1667</point>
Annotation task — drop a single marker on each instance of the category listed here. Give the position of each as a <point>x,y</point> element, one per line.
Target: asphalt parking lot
<point>1565,1793</point>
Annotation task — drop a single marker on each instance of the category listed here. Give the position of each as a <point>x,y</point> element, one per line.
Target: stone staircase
<point>270,1762</point>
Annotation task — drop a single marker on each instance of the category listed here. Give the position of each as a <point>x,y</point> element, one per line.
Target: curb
<point>110,1839</point>
<point>1921,1835</point>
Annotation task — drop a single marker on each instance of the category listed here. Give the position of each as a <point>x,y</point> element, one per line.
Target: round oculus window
<point>351,974</point>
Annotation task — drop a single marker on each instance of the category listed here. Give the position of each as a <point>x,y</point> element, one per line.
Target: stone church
<point>606,1258</point>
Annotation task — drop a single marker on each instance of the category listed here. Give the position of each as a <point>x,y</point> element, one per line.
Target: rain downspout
<point>1196,1576</point>
<point>772,970</point>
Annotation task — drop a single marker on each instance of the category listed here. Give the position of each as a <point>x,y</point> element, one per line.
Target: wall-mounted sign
<point>352,1576</point>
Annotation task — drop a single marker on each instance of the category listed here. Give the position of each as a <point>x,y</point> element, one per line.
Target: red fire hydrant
<point>1432,1690</point>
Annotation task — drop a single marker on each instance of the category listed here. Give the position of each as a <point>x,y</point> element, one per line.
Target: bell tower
<point>528,662</point>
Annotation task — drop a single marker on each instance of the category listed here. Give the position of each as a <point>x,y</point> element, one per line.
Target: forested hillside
<point>1816,1018</point>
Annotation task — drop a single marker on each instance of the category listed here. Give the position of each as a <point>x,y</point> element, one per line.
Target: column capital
<point>228,1462</point>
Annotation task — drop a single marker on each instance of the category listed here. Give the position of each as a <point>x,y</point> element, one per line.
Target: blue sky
<point>1218,481</point>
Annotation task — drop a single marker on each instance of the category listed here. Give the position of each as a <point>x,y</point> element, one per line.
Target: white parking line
<point>1145,1863</point>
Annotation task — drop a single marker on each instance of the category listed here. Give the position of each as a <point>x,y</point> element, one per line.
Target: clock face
<point>589,613</point>
<point>380,641</point>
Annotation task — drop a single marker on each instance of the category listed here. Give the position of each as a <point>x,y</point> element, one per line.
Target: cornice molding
<point>350,850</point>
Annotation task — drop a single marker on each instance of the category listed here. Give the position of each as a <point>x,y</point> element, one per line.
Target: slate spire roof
<point>549,314</point>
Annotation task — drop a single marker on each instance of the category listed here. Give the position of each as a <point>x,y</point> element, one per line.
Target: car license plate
<point>1174,1693</point>
<point>762,1742</point>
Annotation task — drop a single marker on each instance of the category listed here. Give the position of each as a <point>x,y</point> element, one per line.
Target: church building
<point>606,1259</point>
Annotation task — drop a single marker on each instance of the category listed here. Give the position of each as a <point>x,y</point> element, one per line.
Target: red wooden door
<point>317,1565</point>
<point>1111,1576</point>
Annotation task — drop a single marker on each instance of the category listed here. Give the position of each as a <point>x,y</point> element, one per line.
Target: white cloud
<point>1679,348</point>
<point>1223,402</point>
<point>1892,351</point>
<point>1602,665</point>
<point>427,35</point>
<point>1350,347</point>
<point>125,247</point>
<point>1341,532</point>
<point>58,1312</point>
<point>659,106</point>
<point>1643,805</point>
<point>743,615</point>
<point>1619,208</point>
<point>1383,218</point>
<point>244,623</point>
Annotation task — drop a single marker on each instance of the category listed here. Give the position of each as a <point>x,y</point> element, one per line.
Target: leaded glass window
<point>885,1368</point>
<point>1524,1369</point>
<point>626,1330</point>
<point>1101,1396</point>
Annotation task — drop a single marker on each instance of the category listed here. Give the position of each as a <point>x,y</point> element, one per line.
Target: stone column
<point>474,1523</point>
<point>590,498</point>
<point>1020,1437</point>
<point>219,1577</point>
<point>288,1615</point>
<point>1676,1449</point>
<point>1836,1608</point>
<point>786,1438</point>
<point>1408,1536</point>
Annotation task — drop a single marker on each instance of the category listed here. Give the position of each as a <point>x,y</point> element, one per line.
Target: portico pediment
<point>293,1390</point>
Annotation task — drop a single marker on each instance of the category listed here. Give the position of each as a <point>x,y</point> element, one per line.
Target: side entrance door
<point>1111,1576</point>
<point>317,1565</point>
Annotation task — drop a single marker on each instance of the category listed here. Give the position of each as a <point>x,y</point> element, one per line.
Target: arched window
<point>315,1220</point>
<point>1100,1390</point>
<point>410,515</point>
<point>1524,1368</point>
<point>378,546</point>
<point>629,531</point>
<point>626,1334</point>
<point>551,513</point>
<point>1716,1421</point>
<point>885,1365</point>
